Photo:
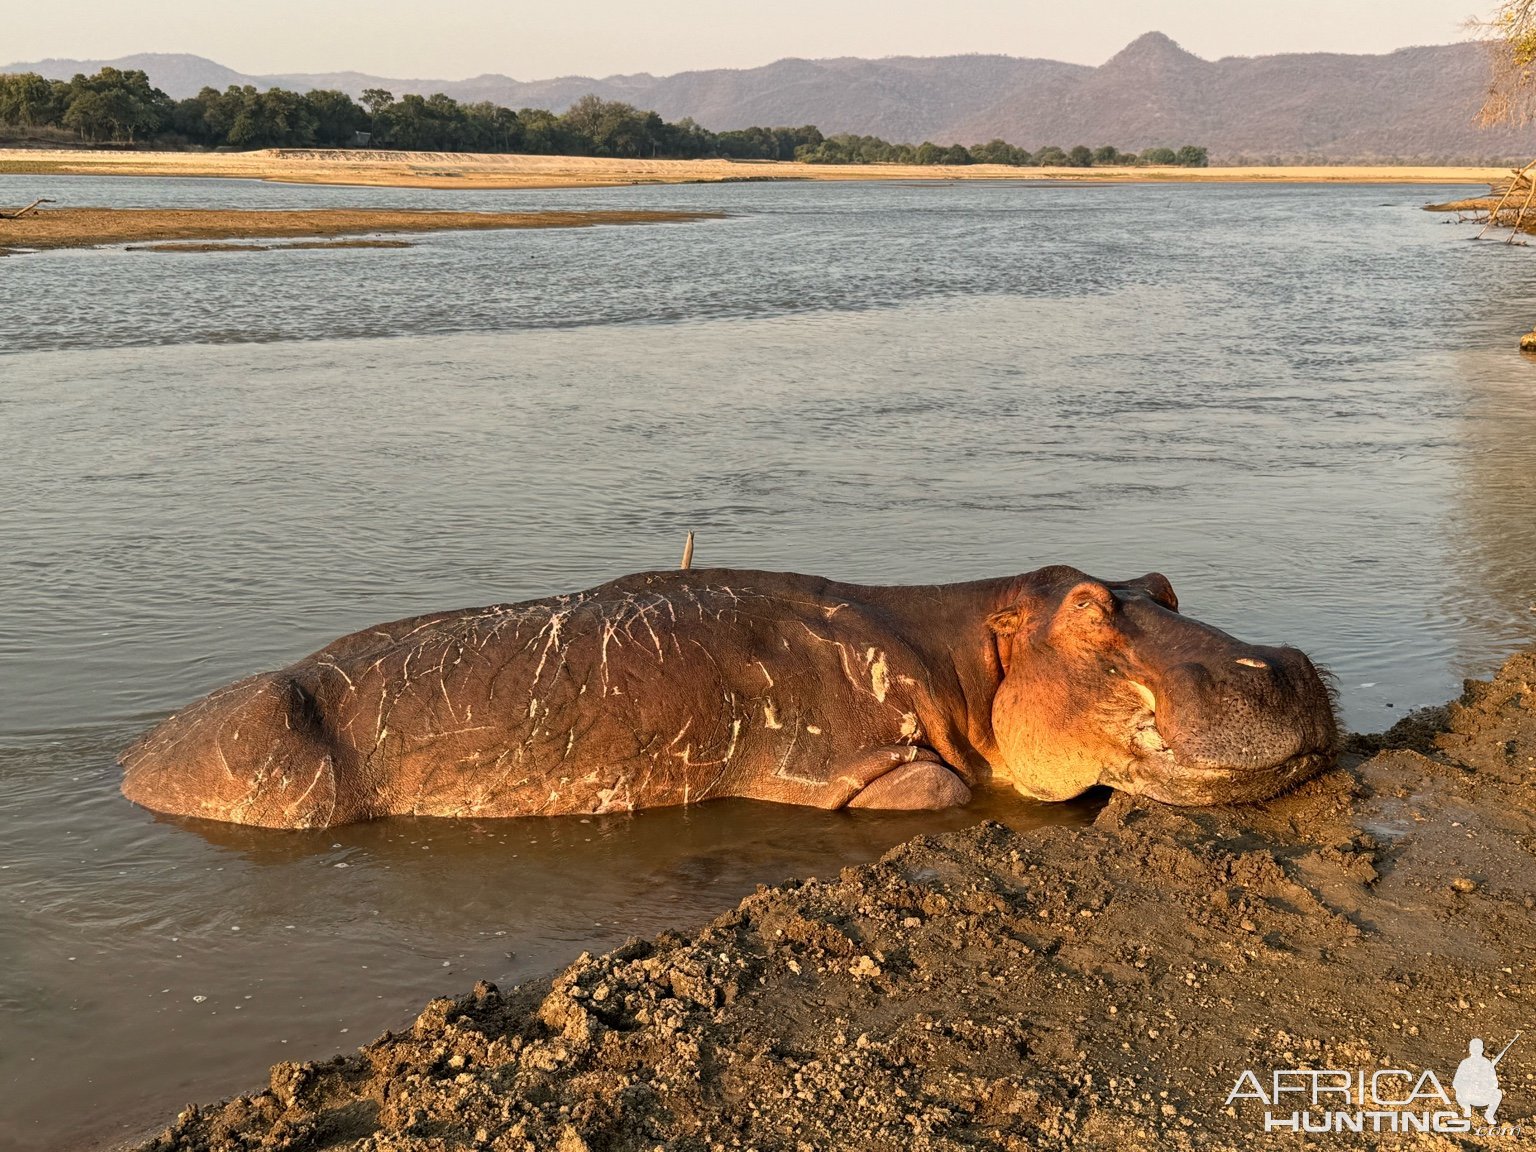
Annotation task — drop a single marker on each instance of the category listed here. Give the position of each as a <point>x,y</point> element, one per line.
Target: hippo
<point>667,688</point>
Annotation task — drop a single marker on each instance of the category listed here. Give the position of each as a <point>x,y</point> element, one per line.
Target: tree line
<point>873,150</point>
<point>122,107</point>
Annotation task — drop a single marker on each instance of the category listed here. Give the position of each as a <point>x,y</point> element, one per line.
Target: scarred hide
<point>677,687</point>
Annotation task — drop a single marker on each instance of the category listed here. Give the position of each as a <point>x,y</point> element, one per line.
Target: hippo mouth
<point>1157,770</point>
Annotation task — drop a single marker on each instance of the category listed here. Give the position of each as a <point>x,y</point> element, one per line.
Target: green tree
<point>1108,154</point>
<point>688,138</point>
<point>1162,157</point>
<point>763,143</point>
<point>1080,156</point>
<point>273,119</point>
<point>544,133</point>
<point>26,100</point>
<point>415,124</point>
<point>1051,157</point>
<point>791,139</point>
<point>489,127</point>
<point>747,144</point>
<point>189,119</point>
<point>377,101</point>
<point>248,126</point>
<point>1191,156</point>
<point>611,127</point>
<point>86,116</point>
<point>998,152</point>
<point>335,117</point>
<point>220,110</point>
<point>115,106</point>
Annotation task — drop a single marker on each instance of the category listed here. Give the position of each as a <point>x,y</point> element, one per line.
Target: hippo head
<point>1106,683</point>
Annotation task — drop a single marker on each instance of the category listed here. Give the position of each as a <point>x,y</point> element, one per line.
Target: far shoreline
<point>514,171</point>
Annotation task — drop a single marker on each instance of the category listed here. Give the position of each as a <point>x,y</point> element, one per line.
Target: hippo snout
<point>1259,708</point>
<point>1242,727</point>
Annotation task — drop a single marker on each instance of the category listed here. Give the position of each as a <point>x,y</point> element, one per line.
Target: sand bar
<point>89,227</point>
<point>478,170</point>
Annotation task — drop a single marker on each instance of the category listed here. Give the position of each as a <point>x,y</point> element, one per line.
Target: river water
<point>1301,403</point>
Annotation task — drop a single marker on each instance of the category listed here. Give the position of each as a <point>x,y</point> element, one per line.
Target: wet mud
<point>1093,987</point>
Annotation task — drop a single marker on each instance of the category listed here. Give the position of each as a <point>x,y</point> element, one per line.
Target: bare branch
<point>1510,36</point>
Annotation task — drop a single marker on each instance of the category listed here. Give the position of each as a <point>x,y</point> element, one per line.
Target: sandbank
<point>478,170</point>
<point>53,227</point>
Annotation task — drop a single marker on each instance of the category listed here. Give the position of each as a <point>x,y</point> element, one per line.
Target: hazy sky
<point>451,39</point>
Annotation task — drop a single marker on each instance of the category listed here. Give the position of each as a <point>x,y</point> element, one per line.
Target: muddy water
<point>1300,403</point>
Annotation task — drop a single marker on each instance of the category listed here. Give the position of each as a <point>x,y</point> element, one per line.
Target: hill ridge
<point>1412,104</point>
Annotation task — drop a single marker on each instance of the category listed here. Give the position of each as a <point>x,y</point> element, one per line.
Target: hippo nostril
<point>1250,662</point>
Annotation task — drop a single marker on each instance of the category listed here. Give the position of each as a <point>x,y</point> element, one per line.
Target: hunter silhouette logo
<point>1338,1100</point>
<point>1476,1084</point>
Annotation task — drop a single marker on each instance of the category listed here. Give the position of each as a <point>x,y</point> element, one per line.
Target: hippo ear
<point>1156,585</point>
<point>1009,621</point>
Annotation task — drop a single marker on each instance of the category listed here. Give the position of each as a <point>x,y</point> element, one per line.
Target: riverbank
<point>482,171</point>
<point>1095,987</point>
<point>156,227</point>
<point>1513,208</point>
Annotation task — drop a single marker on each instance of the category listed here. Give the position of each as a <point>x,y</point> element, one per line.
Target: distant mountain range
<point>1415,104</point>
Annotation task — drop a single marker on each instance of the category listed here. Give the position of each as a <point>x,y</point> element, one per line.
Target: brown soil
<point>87,227</point>
<point>1098,987</point>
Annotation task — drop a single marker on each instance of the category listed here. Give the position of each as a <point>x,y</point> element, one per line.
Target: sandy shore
<point>88,227</point>
<point>1103,987</point>
<point>472,170</point>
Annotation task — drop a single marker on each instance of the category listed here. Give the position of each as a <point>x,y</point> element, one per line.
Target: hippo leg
<point>899,776</point>
<point>923,784</point>
<point>258,752</point>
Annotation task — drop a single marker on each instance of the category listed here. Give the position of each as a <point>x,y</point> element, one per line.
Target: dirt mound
<point>1100,987</point>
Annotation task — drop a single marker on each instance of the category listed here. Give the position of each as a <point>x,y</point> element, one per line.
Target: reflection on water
<point>1491,592</point>
<point>1295,402</point>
